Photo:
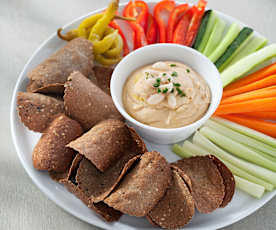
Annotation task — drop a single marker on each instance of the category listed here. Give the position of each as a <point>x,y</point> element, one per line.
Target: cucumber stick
<point>208,31</point>
<point>247,63</point>
<point>253,45</point>
<point>215,37</point>
<point>234,48</point>
<point>253,189</point>
<point>197,150</point>
<point>230,36</point>
<point>202,29</point>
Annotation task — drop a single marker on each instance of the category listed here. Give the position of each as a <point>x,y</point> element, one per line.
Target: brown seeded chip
<point>97,185</point>
<point>207,183</point>
<point>69,181</point>
<point>152,222</point>
<point>176,208</point>
<point>102,78</point>
<point>37,111</point>
<point>76,55</point>
<point>104,144</point>
<point>228,180</point>
<point>55,88</point>
<point>87,103</point>
<point>50,152</point>
<point>70,172</point>
<point>142,188</point>
<point>184,176</point>
<point>139,144</point>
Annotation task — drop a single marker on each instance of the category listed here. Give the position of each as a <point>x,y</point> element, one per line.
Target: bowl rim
<point>125,114</point>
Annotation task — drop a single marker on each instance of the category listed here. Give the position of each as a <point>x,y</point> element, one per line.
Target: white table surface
<point>24,24</point>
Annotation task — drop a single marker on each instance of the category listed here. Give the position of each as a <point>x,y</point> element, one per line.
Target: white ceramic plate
<point>24,140</point>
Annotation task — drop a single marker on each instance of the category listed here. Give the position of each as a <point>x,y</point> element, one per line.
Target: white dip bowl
<point>165,52</point>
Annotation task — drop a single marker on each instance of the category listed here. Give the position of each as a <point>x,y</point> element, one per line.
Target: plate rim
<point>43,189</point>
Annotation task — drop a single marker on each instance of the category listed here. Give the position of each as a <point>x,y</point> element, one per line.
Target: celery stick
<point>253,169</point>
<point>241,138</point>
<point>247,131</point>
<point>201,142</point>
<point>208,31</point>
<point>254,44</point>
<point>237,149</point>
<point>180,151</point>
<point>237,45</point>
<point>215,37</point>
<point>243,174</point>
<point>230,36</point>
<point>252,189</point>
<point>247,63</point>
<point>194,149</point>
<point>269,157</point>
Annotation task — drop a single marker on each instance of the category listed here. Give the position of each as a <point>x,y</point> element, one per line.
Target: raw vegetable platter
<point>241,206</point>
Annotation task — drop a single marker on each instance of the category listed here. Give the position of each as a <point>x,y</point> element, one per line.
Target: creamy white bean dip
<point>166,94</point>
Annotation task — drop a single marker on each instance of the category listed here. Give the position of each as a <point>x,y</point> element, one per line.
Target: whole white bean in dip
<point>166,94</point>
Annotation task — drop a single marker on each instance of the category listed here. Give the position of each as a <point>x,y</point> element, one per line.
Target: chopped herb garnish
<point>172,65</point>
<point>158,90</point>
<point>147,77</point>
<point>158,80</point>
<point>156,85</point>
<point>188,71</point>
<point>147,73</point>
<point>172,90</point>
<point>174,74</point>
<point>169,79</point>
<point>165,90</point>
<point>176,84</point>
<point>164,74</point>
<point>180,92</point>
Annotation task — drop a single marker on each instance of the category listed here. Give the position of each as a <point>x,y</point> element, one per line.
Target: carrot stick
<point>265,127</point>
<point>255,94</point>
<point>268,81</point>
<point>258,75</point>
<point>262,115</point>
<point>257,105</point>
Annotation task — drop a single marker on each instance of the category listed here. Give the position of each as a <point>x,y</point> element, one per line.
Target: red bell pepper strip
<point>114,25</point>
<point>140,36</point>
<point>165,5</point>
<point>152,30</point>
<point>141,13</point>
<point>195,22</point>
<point>180,32</point>
<point>174,18</point>
<point>138,27</point>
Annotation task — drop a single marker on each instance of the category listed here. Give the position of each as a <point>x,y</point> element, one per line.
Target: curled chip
<point>99,185</point>
<point>87,103</point>
<point>177,206</point>
<point>51,153</point>
<point>37,111</point>
<point>55,89</point>
<point>104,144</point>
<point>228,180</point>
<point>142,188</point>
<point>101,78</point>
<point>207,187</point>
<point>94,184</point>
<point>76,55</point>
<point>68,179</point>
